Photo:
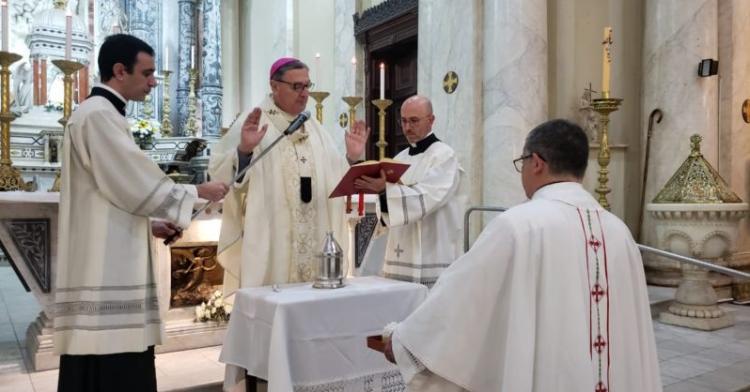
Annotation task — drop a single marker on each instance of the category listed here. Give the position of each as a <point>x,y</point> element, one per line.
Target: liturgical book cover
<point>393,172</point>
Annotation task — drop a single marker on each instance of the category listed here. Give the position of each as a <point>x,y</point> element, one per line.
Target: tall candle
<point>116,27</point>
<point>354,76</point>
<point>606,60</point>
<point>382,80</point>
<point>317,69</point>
<point>6,26</point>
<point>68,33</point>
<point>192,57</point>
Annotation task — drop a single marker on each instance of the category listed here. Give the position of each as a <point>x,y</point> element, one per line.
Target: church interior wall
<point>575,58</point>
<point>734,139</point>
<point>450,39</point>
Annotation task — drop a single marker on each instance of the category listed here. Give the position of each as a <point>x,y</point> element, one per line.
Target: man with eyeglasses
<point>551,297</point>
<point>275,218</point>
<point>422,211</point>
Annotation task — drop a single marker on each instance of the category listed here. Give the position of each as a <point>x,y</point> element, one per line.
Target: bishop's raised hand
<point>356,140</point>
<point>251,133</point>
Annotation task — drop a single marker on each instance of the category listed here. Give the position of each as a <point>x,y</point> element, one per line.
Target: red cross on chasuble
<point>596,264</point>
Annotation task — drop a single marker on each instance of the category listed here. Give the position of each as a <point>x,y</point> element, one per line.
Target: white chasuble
<point>424,215</point>
<point>106,297</point>
<point>551,297</point>
<point>269,233</point>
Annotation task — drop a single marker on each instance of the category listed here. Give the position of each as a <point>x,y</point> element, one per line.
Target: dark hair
<point>123,49</point>
<point>562,144</point>
<point>296,64</point>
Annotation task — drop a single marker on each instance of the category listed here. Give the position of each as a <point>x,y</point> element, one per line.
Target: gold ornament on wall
<point>450,82</point>
<point>343,120</point>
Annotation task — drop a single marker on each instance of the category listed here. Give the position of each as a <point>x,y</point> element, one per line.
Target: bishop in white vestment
<point>107,317</point>
<point>551,297</point>
<point>423,210</point>
<point>275,218</point>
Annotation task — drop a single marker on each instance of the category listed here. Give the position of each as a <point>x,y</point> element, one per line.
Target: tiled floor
<point>691,361</point>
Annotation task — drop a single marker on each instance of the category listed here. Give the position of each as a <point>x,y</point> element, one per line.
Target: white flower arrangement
<point>144,130</point>
<point>215,309</point>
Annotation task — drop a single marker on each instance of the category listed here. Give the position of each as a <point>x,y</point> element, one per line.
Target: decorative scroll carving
<point>362,236</point>
<point>32,238</point>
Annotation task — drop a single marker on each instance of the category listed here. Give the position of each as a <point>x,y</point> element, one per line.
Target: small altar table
<point>304,339</point>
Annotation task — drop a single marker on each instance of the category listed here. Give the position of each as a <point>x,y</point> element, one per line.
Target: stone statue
<point>587,117</point>
<point>22,89</point>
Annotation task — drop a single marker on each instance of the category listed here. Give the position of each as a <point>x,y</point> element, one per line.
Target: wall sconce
<point>708,67</point>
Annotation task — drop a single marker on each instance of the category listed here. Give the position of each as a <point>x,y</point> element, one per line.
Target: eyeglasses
<point>518,162</point>
<point>298,87</point>
<point>413,121</point>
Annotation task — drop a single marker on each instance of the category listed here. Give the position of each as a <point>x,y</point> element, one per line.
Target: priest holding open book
<point>423,209</point>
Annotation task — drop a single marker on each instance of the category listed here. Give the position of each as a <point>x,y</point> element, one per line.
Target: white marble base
<point>703,324</point>
<point>182,334</point>
<point>39,344</point>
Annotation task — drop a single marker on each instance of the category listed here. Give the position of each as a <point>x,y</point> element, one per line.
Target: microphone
<point>298,121</point>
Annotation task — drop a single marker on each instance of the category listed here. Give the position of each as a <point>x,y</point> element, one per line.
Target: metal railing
<point>643,248</point>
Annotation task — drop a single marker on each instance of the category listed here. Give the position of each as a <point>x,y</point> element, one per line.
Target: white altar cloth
<point>306,339</point>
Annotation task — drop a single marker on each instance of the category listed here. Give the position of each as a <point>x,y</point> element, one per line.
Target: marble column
<point>347,82</point>
<point>678,34</point>
<point>450,39</point>
<point>185,43</point>
<point>230,60</point>
<point>514,72</point>
<point>143,22</point>
<point>211,90</point>
<point>734,139</point>
<point>267,31</point>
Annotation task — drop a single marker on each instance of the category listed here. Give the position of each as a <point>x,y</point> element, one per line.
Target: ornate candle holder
<point>166,123</point>
<point>319,96</point>
<point>10,178</point>
<point>604,106</point>
<point>191,125</point>
<point>382,104</point>
<point>352,102</point>
<point>68,68</point>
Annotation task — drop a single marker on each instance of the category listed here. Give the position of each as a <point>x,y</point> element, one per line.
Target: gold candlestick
<point>191,125</point>
<point>166,123</point>
<point>352,102</point>
<point>68,68</point>
<point>604,106</point>
<point>382,104</point>
<point>10,178</point>
<point>319,96</point>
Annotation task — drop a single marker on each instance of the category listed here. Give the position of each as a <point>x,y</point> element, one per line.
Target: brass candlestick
<point>166,123</point>
<point>382,104</point>
<point>352,102</point>
<point>604,106</point>
<point>319,96</point>
<point>10,178</point>
<point>191,125</point>
<point>68,68</point>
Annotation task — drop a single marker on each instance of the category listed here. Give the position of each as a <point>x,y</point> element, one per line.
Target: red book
<point>393,172</point>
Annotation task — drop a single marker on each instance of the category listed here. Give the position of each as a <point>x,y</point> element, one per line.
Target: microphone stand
<point>238,176</point>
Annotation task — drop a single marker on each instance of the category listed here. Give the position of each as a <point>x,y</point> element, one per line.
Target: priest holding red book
<point>423,210</point>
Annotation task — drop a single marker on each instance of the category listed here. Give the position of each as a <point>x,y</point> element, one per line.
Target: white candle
<point>354,76</point>
<point>192,57</point>
<point>317,69</point>
<point>6,27</point>
<point>116,27</point>
<point>68,33</point>
<point>382,80</point>
<point>166,59</point>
